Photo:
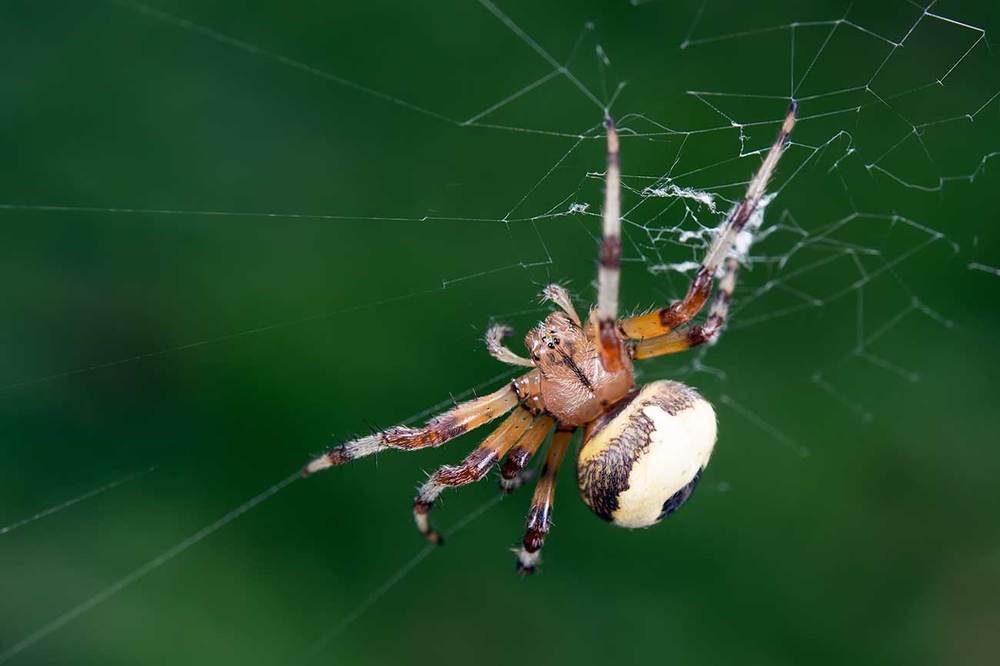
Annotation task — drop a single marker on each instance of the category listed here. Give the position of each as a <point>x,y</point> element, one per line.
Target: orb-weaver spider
<point>643,449</point>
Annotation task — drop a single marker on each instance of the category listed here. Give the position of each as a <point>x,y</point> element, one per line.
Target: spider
<point>644,449</point>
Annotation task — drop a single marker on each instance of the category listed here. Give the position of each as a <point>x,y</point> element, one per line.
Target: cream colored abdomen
<point>652,451</point>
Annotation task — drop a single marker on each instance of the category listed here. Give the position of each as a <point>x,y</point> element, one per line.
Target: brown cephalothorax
<point>644,449</point>
<point>575,387</point>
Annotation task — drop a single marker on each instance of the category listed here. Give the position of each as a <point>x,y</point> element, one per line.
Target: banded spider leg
<point>656,333</point>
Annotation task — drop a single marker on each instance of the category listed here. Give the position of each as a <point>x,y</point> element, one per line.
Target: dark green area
<point>227,349</point>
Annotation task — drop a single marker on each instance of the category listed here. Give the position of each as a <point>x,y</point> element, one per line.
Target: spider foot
<point>338,455</point>
<point>421,511</point>
<point>527,561</point>
<point>511,480</point>
<point>529,555</point>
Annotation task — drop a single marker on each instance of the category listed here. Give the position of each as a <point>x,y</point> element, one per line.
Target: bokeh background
<point>848,516</point>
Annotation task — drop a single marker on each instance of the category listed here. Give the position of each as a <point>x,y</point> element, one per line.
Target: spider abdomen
<point>644,458</point>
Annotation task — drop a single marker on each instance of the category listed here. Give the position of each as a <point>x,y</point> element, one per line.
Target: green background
<point>227,349</point>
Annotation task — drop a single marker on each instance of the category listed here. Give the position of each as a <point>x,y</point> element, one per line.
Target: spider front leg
<point>663,321</point>
<point>495,335</point>
<point>459,420</point>
<point>609,262</point>
<point>520,425</point>
<point>540,513</point>
<point>683,339</point>
<point>557,294</point>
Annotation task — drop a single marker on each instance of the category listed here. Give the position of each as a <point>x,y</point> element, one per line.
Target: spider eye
<point>645,459</point>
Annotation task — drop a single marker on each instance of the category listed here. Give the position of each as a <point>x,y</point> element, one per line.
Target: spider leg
<point>460,419</point>
<point>558,295</point>
<point>512,474</point>
<point>496,333</point>
<point>475,466</point>
<point>540,513</point>
<point>682,339</point>
<point>494,345</point>
<point>609,263</point>
<point>664,320</point>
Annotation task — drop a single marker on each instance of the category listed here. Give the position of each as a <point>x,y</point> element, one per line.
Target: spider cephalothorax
<point>644,449</point>
<point>574,386</point>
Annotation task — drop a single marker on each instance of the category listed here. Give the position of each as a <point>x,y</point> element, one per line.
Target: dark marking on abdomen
<point>681,496</point>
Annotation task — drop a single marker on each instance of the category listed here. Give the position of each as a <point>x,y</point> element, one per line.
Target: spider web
<point>856,232</point>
